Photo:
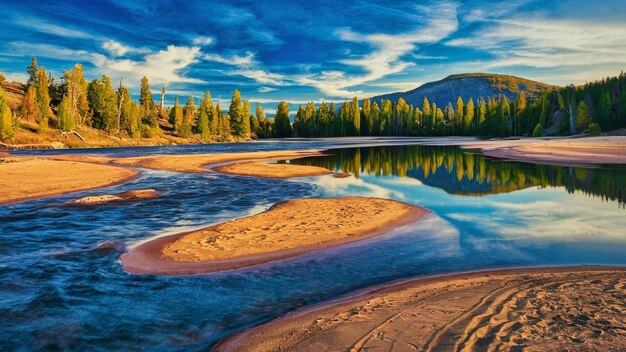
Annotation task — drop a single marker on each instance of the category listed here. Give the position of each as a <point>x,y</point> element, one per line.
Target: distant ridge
<point>468,85</point>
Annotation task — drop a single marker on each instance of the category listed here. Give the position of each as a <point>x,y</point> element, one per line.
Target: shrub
<point>593,128</point>
<point>538,131</point>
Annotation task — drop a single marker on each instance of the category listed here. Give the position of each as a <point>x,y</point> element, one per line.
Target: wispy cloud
<point>203,40</point>
<point>116,48</point>
<point>43,26</point>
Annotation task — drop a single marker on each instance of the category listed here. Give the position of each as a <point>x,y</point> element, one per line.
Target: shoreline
<point>147,258</point>
<point>119,175</point>
<point>263,336</point>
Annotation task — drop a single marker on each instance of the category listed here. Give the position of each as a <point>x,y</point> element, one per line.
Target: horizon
<point>276,52</point>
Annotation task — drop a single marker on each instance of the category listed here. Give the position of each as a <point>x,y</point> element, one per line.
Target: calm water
<point>61,285</point>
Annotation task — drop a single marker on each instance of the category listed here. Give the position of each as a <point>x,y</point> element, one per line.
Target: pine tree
<point>42,100</point>
<point>66,120</point>
<point>149,112</point>
<point>204,117</point>
<point>582,116</point>
<point>176,116</point>
<point>236,115</point>
<point>324,120</point>
<point>282,124</point>
<point>103,104</point>
<point>7,125</point>
<point>189,117</point>
<point>33,73</point>
<point>263,122</point>
<point>245,118</point>
<point>125,110</point>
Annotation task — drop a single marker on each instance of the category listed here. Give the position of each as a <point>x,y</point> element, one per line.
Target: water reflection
<point>465,173</point>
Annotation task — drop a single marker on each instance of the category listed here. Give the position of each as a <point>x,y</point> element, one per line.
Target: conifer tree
<point>263,123</point>
<point>245,118</point>
<point>66,121</point>
<point>189,116</point>
<point>282,124</point>
<point>366,118</point>
<point>582,116</point>
<point>176,116</point>
<point>236,115</point>
<point>33,73</point>
<point>149,112</point>
<point>375,120</point>
<point>42,100</point>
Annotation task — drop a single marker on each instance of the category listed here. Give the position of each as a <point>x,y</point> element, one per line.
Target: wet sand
<point>23,178</point>
<point>542,309</point>
<point>128,196</point>
<point>287,229</point>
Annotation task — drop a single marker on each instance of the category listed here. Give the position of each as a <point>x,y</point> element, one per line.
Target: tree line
<point>73,101</point>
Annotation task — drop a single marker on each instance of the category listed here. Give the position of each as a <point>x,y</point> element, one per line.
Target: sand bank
<point>188,162</point>
<point>287,229</point>
<point>271,170</point>
<point>549,309</point>
<point>24,178</point>
<point>595,150</point>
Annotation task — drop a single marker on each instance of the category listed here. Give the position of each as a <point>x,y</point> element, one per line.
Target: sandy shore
<point>545,309</point>
<point>271,170</point>
<point>589,150</point>
<point>23,178</point>
<point>128,196</point>
<point>188,162</point>
<point>287,229</point>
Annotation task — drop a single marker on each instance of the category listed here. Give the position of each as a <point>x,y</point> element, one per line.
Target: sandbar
<point>541,309</point>
<point>187,162</point>
<point>287,229</point>
<point>24,178</point>
<point>128,196</point>
<point>271,170</point>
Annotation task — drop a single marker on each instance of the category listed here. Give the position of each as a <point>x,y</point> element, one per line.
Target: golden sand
<point>290,224</point>
<point>287,229</point>
<point>30,178</point>
<point>550,309</point>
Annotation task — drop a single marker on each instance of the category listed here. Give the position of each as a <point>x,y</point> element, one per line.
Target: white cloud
<point>264,89</point>
<point>43,26</point>
<point>116,48</point>
<point>388,49</point>
<point>202,40</point>
<point>549,43</point>
<point>233,60</point>
<point>164,66</point>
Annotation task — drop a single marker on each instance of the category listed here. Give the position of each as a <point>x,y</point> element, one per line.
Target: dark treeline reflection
<point>465,173</point>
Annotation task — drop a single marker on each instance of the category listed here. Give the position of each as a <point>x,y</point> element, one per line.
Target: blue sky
<point>312,50</point>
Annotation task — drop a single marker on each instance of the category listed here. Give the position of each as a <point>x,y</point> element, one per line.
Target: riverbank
<point>540,309</point>
<point>25,178</point>
<point>287,229</point>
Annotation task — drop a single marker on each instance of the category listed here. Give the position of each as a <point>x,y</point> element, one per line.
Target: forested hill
<point>468,85</point>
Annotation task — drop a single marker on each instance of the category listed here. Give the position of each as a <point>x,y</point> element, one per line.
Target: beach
<point>287,229</point>
<point>541,309</point>
<point>25,178</point>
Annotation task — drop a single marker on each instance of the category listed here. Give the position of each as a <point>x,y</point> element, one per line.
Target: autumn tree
<point>76,90</point>
<point>42,100</point>
<point>29,107</point>
<point>66,120</point>
<point>7,126</point>
<point>582,116</point>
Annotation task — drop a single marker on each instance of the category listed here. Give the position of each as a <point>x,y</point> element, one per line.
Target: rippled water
<point>62,287</point>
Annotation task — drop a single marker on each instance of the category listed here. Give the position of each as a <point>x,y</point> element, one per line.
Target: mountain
<point>468,85</point>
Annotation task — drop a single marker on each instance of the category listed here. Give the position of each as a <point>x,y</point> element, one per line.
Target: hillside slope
<point>468,85</point>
